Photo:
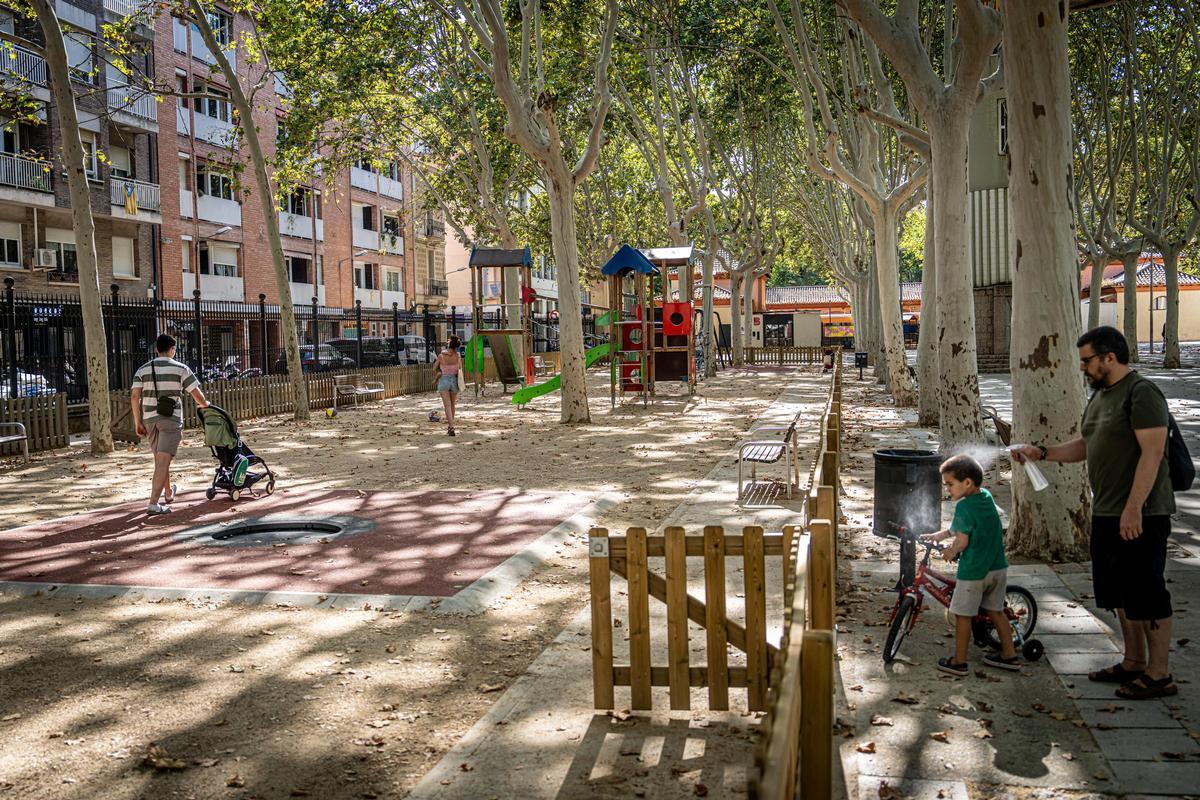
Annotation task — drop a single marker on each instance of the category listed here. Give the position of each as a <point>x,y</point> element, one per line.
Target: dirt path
<point>257,702</point>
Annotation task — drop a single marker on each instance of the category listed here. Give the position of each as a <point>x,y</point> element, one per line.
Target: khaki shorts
<point>987,593</point>
<point>164,434</point>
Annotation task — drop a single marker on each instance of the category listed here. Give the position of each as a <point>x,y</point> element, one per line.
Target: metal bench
<point>761,450</point>
<point>1003,429</point>
<point>19,436</point>
<point>353,386</point>
<point>541,367</point>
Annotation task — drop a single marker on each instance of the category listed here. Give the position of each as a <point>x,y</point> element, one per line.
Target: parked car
<point>28,385</point>
<point>416,350</point>
<point>382,351</point>
<point>324,358</point>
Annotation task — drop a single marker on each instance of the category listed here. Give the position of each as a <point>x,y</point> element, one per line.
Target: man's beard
<point>1097,383</point>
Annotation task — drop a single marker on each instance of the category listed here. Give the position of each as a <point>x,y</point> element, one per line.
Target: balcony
<point>391,244</point>
<point>364,179</point>
<point>432,229</point>
<point>299,226</point>
<point>214,287</point>
<point>183,121</point>
<point>436,288</point>
<point>219,210</point>
<point>24,173</point>
<point>147,200</point>
<point>390,187</point>
<point>302,294</point>
<point>124,8</point>
<point>134,111</point>
<point>213,130</point>
<point>19,63</point>
<point>185,203</point>
<point>379,298</point>
<point>366,239</point>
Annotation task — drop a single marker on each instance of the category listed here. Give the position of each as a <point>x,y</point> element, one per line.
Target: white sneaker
<point>172,490</point>
<point>155,508</point>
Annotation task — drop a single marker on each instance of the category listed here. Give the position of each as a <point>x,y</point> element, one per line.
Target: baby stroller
<point>234,458</point>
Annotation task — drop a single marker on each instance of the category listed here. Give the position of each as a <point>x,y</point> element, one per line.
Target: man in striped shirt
<point>162,377</point>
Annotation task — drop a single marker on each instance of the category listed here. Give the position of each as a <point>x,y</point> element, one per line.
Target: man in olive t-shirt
<point>1124,437</point>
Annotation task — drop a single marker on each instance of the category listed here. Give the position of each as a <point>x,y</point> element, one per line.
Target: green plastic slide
<point>523,396</point>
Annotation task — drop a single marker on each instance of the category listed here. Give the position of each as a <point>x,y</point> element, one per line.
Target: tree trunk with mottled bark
<point>560,192</point>
<point>1129,263</point>
<point>1053,524</point>
<point>94,341</point>
<point>1094,292</point>
<point>928,409</point>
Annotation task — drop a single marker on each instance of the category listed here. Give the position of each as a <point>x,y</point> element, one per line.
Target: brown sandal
<point>1144,687</point>
<point>1115,674</point>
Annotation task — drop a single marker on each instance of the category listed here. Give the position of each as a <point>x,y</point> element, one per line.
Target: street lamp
<point>222,229</point>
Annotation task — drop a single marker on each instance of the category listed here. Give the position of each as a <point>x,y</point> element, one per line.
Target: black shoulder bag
<point>1179,460</point>
<point>164,406</point>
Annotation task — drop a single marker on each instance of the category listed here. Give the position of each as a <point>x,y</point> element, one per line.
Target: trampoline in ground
<point>303,546</point>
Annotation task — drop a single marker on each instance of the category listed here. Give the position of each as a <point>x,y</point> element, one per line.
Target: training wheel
<point>271,486</point>
<point>210,494</point>
<point>1032,650</point>
<point>235,494</point>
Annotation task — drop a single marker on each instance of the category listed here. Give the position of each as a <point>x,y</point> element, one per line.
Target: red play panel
<point>397,543</point>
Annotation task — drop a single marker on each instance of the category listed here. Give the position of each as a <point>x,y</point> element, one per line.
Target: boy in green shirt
<point>982,580</point>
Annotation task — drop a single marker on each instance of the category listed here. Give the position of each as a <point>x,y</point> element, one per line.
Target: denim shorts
<point>448,383</point>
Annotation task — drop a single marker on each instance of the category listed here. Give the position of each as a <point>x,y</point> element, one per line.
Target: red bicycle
<point>1019,607</point>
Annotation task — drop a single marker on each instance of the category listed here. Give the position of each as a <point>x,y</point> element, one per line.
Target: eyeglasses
<point>1083,361</point>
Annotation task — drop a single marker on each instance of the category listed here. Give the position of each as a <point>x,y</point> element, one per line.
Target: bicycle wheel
<point>1022,615</point>
<point>901,624</point>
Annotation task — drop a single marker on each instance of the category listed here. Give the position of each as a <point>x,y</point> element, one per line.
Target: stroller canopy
<point>219,428</point>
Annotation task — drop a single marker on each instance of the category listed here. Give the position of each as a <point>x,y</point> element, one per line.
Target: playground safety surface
<point>429,544</point>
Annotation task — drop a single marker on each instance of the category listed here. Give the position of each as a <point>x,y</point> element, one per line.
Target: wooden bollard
<point>602,635</point>
<point>816,718</point>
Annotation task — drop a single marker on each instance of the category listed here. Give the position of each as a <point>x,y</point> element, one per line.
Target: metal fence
<point>42,347</point>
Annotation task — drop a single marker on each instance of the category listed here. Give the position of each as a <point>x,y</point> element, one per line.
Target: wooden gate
<point>628,557</point>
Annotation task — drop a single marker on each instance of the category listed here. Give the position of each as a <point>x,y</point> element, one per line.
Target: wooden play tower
<point>512,321</point>
<point>653,336</point>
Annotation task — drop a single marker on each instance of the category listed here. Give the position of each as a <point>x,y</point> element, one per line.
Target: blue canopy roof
<point>628,259</point>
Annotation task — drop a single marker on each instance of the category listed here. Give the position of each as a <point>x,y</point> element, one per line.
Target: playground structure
<point>653,337</point>
<point>514,320</point>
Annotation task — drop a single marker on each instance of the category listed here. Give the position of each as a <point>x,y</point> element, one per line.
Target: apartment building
<point>37,237</point>
<point>174,217</point>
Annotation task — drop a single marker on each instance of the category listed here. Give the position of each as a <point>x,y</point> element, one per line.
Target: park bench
<point>1003,429</point>
<point>760,450</point>
<point>354,386</point>
<point>540,367</point>
<point>19,436</point>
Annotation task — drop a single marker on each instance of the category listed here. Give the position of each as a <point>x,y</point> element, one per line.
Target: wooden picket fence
<point>271,394</point>
<point>796,750</point>
<point>785,356</point>
<point>45,420</point>
<point>628,557</point>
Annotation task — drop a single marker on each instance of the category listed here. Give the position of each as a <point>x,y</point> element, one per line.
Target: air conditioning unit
<point>45,258</point>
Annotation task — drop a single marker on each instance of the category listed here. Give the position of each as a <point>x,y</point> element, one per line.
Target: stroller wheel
<point>271,486</point>
<point>1032,650</point>
<point>235,494</point>
<point>210,494</point>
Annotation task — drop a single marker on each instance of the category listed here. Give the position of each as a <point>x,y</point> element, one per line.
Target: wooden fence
<point>796,749</point>
<point>627,556</point>
<point>45,420</point>
<point>784,356</point>
<point>272,394</point>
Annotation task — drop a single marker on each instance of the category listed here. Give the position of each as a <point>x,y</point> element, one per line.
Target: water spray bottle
<point>1036,479</point>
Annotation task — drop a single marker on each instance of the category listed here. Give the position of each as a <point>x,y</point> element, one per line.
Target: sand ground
<point>266,702</point>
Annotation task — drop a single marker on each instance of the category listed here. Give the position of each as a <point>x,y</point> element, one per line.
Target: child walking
<point>982,579</point>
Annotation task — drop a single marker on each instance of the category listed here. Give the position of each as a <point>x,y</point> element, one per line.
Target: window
<point>214,183</point>
<point>431,266</point>
<point>10,244</point>
<point>12,139</point>
<point>222,27</point>
<point>368,218</point>
<point>298,270</point>
<point>359,275</point>
<point>298,202</point>
<point>215,104</point>
<point>91,161</point>
<point>316,204</point>
<point>1002,125</point>
<point>185,255</point>
<point>224,259</point>
<point>120,164</point>
<point>185,175</point>
<point>320,270</point>
<point>122,257</point>
<point>366,276</point>
<point>7,22</point>
<point>62,242</point>
<point>181,86</point>
<point>81,48</point>
<point>393,170</point>
<point>392,281</point>
<point>365,164</point>
<point>391,223</point>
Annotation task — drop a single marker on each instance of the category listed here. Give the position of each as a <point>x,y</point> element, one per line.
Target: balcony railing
<point>126,8</point>
<point>366,239</point>
<point>390,187</point>
<point>16,60</point>
<point>24,173</point>
<point>219,210</point>
<point>364,179</point>
<point>122,98</point>
<point>147,194</point>
<point>439,288</point>
<point>436,228</point>
<point>213,130</point>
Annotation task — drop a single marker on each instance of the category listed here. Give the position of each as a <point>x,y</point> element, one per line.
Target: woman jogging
<point>448,364</point>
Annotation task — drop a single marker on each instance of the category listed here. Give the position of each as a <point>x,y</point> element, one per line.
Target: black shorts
<point>1129,574</point>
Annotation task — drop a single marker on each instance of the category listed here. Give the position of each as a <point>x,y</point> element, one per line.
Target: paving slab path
<point>1045,732</point>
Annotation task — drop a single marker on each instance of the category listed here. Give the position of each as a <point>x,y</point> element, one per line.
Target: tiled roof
<point>1155,271</point>
<point>719,293</point>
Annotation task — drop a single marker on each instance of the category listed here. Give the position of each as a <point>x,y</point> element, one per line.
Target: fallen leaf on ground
<point>906,698</point>
<point>158,758</point>
<point>490,687</point>
<point>866,747</point>
<point>236,781</point>
<point>206,762</point>
<point>982,734</point>
<point>940,736</point>
<point>879,719</point>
